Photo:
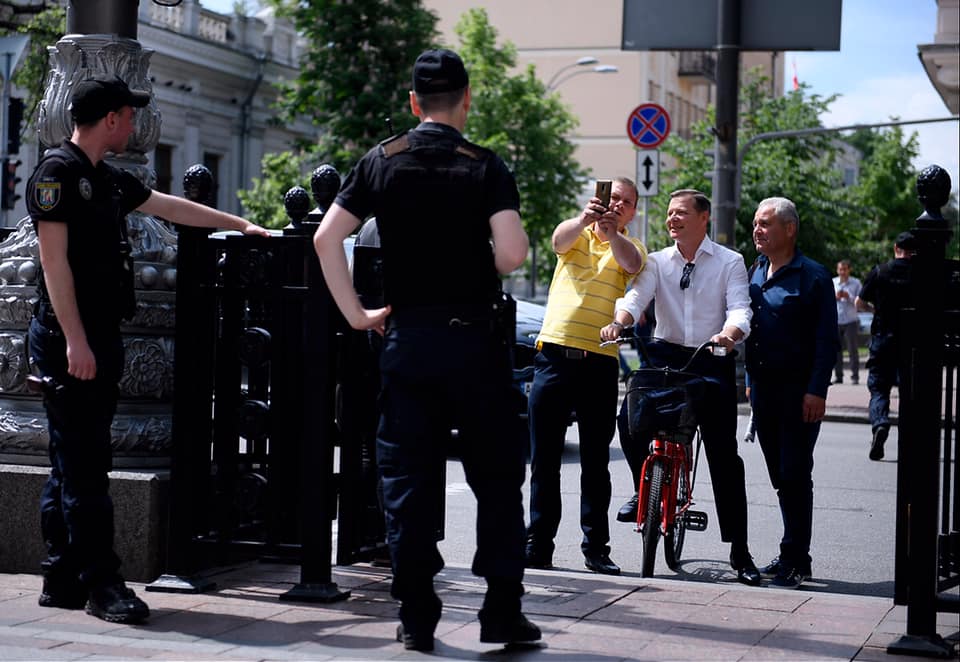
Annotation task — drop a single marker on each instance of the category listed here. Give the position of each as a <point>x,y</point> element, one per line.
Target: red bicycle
<point>659,405</point>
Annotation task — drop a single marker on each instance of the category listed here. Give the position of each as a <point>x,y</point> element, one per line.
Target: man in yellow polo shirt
<point>596,262</point>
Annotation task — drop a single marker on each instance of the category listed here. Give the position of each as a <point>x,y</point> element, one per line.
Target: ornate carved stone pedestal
<point>142,427</point>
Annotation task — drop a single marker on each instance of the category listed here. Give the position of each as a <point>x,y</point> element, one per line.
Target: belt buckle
<point>574,353</point>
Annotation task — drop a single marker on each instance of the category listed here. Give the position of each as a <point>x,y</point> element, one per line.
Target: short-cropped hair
<point>784,209</point>
<point>700,200</point>
<point>440,101</point>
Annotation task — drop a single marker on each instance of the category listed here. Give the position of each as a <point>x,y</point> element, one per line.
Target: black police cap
<point>94,97</point>
<point>437,71</point>
<point>906,241</point>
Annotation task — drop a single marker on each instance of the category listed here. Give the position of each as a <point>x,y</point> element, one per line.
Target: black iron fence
<point>260,446</point>
<point>928,501</point>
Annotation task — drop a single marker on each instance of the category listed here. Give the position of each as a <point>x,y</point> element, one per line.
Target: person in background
<point>886,289</point>
<point>595,262</point>
<point>791,351</point>
<point>846,289</point>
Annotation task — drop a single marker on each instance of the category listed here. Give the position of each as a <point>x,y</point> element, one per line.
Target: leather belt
<point>566,352</point>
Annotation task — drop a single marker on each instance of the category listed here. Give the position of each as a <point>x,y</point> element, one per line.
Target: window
<point>162,167</point>
<point>212,163</point>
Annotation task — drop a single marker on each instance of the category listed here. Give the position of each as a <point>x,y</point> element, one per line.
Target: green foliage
<point>356,71</point>
<point>263,202</point>
<point>44,29</point>
<point>836,222</point>
<point>514,115</point>
<point>886,188</point>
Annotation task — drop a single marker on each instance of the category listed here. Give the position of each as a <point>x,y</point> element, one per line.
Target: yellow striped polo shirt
<point>585,287</point>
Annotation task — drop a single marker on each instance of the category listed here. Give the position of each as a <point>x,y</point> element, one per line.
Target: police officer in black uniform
<point>448,217</point>
<point>886,290</point>
<point>78,204</point>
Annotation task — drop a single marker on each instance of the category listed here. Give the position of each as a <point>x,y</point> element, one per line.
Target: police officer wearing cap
<point>78,204</point>
<point>886,290</point>
<point>448,217</point>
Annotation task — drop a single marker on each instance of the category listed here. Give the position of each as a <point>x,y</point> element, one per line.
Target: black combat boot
<point>63,592</point>
<point>116,603</point>
<point>501,621</point>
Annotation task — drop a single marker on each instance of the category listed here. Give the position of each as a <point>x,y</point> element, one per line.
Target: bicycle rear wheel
<point>675,535</point>
<point>654,515</point>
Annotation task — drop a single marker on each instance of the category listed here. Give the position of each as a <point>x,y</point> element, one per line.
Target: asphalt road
<point>853,529</point>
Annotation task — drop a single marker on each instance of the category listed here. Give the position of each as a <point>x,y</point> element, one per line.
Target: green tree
<point>885,191</point>
<point>356,71</point>
<point>263,201</point>
<point>515,115</point>
<point>802,169</point>
<point>44,24</point>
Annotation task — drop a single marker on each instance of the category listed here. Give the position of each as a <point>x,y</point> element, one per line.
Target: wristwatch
<point>617,324</point>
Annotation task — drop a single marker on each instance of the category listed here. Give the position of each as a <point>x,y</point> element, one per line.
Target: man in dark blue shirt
<point>792,348</point>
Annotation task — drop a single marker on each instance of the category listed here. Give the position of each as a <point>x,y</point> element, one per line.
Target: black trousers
<point>76,512</point>
<point>437,378</point>
<point>716,414</point>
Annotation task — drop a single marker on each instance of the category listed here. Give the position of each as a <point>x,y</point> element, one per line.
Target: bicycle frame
<point>676,459</point>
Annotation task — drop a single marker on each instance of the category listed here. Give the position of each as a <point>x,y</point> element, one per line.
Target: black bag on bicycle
<point>658,403</point>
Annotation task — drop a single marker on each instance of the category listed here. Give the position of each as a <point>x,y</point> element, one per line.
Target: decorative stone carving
<point>141,432</point>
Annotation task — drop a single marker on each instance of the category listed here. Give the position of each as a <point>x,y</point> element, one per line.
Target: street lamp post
<point>581,62</point>
<point>599,69</point>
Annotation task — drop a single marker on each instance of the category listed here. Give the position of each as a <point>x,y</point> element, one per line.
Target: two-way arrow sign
<point>648,172</point>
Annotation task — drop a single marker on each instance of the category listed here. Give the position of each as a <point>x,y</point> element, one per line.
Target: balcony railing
<point>698,66</point>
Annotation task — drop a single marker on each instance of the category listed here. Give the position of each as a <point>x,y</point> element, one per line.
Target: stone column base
<point>140,503</point>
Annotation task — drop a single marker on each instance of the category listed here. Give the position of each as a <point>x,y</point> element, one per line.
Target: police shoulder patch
<point>47,194</point>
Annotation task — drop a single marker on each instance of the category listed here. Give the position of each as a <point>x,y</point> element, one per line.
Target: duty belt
<point>478,315</point>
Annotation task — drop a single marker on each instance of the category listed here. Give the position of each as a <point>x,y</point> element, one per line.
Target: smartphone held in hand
<point>604,187</point>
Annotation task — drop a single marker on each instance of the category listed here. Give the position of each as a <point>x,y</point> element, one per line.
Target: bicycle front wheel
<point>674,537</point>
<point>654,515</point>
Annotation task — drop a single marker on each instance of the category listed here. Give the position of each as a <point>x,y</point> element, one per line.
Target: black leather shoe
<point>63,594</point>
<point>773,568</point>
<point>420,641</point>
<point>601,563</point>
<point>790,577</point>
<point>628,511</point>
<point>747,572</point>
<point>879,439</point>
<point>534,558</point>
<point>116,603</point>
<point>516,629</point>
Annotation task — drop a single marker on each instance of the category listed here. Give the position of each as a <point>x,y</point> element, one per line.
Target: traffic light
<point>8,194</point>
<point>14,120</point>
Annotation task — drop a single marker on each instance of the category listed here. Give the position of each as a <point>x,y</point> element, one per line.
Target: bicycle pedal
<point>696,520</point>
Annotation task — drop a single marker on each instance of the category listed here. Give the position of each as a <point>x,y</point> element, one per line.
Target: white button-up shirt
<point>718,295</point>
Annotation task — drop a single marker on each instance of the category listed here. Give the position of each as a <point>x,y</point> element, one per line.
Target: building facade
<point>555,34</point>
<point>214,77</point>
<point>941,59</point>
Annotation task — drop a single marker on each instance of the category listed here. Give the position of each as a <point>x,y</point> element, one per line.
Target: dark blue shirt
<point>793,334</point>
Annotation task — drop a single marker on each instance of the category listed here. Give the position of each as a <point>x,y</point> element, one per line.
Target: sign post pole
<point>647,127</point>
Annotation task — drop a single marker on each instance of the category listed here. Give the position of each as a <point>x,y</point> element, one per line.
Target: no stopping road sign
<point>648,125</point>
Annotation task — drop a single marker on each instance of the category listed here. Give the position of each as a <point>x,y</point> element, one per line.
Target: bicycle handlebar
<point>627,334</point>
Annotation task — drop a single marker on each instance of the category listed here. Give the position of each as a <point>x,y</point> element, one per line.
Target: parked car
<point>529,320</point>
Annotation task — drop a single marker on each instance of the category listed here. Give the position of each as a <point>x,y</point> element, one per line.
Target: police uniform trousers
<point>716,414</point>
<point>76,512</point>
<point>882,375</point>
<point>439,376</point>
<point>787,444</point>
<point>564,381</point>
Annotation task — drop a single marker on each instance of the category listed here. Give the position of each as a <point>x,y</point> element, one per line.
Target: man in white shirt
<point>847,289</point>
<point>702,294</point>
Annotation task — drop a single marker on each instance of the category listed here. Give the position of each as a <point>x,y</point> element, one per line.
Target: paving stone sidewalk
<point>584,616</point>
